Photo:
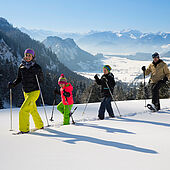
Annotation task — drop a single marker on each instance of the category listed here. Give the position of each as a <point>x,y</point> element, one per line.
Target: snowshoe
<point>20,132</point>
<point>152,107</point>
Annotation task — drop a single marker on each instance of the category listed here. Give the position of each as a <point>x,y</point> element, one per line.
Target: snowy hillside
<point>137,141</point>
<point>6,53</point>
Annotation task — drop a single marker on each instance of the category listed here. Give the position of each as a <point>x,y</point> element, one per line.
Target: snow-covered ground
<point>139,140</point>
<point>124,69</point>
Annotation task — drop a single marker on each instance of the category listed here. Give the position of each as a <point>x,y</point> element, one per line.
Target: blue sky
<point>86,15</point>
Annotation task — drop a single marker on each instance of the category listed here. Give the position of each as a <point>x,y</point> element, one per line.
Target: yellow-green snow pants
<point>29,107</point>
<point>65,110</point>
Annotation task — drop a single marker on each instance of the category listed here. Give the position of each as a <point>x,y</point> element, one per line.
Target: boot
<point>157,105</point>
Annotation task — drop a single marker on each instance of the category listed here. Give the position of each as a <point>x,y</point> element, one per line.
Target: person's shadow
<point>107,129</point>
<point>164,111</point>
<point>141,121</point>
<point>73,139</point>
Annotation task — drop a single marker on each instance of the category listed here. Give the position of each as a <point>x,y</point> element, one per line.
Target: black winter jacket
<point>27,77</point>
<point>109,78</point>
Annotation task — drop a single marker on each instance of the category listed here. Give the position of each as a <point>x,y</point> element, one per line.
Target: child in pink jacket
<point>67,98</point>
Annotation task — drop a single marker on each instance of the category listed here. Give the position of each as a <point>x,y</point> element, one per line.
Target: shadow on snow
<point>141,121</point>
<point>72,139</point>
<point>108,129</point>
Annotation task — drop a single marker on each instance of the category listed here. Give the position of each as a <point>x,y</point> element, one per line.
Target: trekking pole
<point>42,100</point>
<point>51,119</point>
<point>70,112</point>
<point>144,88</point>
<point>88,99</point>
<point>73,111</point>
<point>11,109</point>
<point>112,96</point>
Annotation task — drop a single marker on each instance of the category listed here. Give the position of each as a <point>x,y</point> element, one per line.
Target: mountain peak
<point>70,41</point>
<point>57,40</point>
<point>53,38</point>
<point>4,22</point>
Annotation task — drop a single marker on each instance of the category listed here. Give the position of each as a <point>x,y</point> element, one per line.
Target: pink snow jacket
<point>68,88</point>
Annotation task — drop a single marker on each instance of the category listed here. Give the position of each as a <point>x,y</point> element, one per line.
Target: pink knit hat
<point>62,79</point>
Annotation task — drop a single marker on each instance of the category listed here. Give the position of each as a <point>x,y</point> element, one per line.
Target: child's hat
<point>62,79</point>
<point>107,67</point>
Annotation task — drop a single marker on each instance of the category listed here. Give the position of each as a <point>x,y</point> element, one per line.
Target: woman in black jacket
<point>27,72</point>
<point>107,78</point>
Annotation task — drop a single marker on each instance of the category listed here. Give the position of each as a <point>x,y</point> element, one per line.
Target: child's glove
<point>96,76</point>
<point>66,94</point>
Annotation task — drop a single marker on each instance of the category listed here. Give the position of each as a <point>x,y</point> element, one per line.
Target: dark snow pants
<point>105,105</point>
<point>155,93</point>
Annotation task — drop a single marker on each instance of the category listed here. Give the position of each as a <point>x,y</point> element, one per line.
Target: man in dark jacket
<point>107,78</point>
<point>27,76</point>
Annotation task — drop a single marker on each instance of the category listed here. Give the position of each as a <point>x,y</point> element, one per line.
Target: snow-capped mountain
<point>71,55</point>
<point>109,42</point>
<point>41,35</point>
<point>126,41</point>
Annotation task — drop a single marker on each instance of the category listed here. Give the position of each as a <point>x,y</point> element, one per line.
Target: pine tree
<point>131,94</point>
<point>119,93</point>
<point>1,104</point>
<point>163,92</point>
<point>140,93</point>
<point>95,96</point>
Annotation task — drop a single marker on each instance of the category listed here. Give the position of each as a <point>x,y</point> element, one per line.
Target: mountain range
<point>109,42</point>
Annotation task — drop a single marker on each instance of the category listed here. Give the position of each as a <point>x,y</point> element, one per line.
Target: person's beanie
<point>29,51</point>
<point>155,55</point>
<point>62,79</point>
<point>107,67</point>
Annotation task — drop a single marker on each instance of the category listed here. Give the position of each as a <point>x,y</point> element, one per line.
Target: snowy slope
<point>137,141</point>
